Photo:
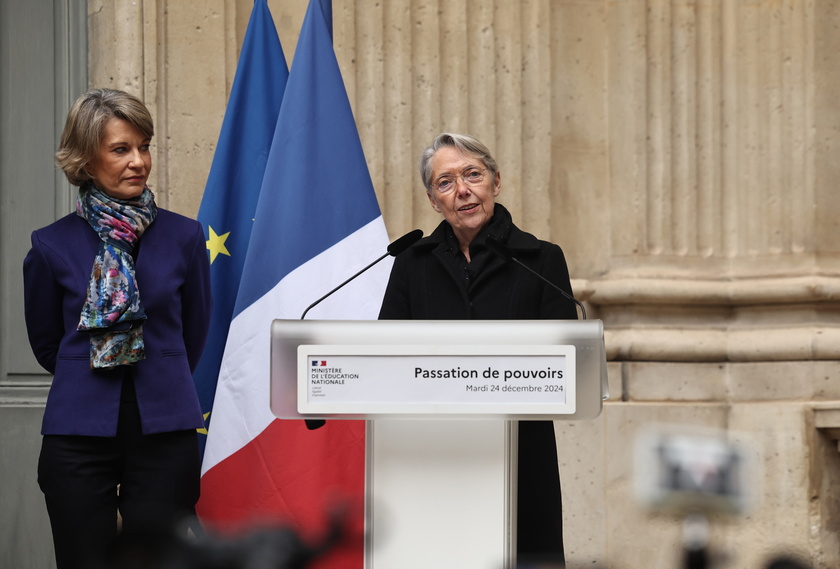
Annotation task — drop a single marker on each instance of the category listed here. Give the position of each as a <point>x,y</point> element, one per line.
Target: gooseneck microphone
<point>503,251</point>
<point>395,248</point>
<point>401,244</point>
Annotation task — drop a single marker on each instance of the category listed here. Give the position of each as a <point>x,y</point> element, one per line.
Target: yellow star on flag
<point>203,430</point>
<point>216,244</point>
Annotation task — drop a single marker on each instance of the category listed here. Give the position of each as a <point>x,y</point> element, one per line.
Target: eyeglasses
<point>470,176</point>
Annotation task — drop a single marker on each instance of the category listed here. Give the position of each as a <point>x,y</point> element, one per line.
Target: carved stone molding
<point>741,292</point>
<point>807,343</point>
<point>745,320</point>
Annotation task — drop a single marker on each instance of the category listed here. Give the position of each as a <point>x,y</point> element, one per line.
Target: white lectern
<point>442,399</point>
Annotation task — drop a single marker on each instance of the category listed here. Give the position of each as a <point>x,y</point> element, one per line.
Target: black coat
<point>428,283</point>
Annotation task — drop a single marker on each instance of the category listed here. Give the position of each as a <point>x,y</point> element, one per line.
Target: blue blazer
<point>173,276</point>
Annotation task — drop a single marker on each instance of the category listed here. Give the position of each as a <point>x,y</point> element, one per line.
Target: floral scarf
<point>113,313</point>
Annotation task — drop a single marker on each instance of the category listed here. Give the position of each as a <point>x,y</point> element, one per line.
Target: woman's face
<point>123,162</point>
<point>466,207</point>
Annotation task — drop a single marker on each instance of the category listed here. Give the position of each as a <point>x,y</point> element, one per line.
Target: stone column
<point>718,283</point>
<point>721,123</point>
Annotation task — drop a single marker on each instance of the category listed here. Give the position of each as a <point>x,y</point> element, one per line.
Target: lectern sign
<point>524,379</point>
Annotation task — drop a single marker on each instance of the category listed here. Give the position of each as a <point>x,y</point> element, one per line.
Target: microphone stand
<point>302,316</point>
<point>506,254</point>
<point>394,249</point>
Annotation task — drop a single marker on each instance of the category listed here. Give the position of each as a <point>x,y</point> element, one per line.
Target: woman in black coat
<point>452,275</point>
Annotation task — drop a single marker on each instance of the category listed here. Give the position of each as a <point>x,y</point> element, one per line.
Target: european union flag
<point>233,187</point>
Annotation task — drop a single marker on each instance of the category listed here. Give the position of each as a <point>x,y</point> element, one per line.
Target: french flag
<point>317,222</point>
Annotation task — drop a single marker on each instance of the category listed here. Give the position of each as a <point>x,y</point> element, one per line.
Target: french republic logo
<point>319,363</point>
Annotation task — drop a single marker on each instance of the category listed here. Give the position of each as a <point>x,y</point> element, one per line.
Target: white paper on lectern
<point>468,379</point>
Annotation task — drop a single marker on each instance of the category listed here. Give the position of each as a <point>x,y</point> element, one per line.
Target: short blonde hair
<point>85,128</point>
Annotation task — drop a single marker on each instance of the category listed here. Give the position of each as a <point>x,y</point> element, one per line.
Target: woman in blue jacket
<point>117,303</point>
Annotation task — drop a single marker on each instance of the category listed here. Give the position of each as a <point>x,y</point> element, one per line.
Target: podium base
<point>441,493</point>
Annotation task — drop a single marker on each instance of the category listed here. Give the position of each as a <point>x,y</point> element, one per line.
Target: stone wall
<point>683,153</point>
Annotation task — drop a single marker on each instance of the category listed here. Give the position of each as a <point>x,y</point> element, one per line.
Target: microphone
<point>503,251</point>
<point>394,249</point>
<point>404,242</point>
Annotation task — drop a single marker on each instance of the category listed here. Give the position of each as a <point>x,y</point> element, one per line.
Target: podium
<point>442,400</point>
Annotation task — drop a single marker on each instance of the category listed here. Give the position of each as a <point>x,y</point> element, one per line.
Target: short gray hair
<point>463,142</point>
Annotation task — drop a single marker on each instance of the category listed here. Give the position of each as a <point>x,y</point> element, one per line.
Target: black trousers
<point>157,475</point>
<point>539,506</point>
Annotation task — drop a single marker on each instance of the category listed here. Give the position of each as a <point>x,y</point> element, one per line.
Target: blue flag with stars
<point>233,186</point>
